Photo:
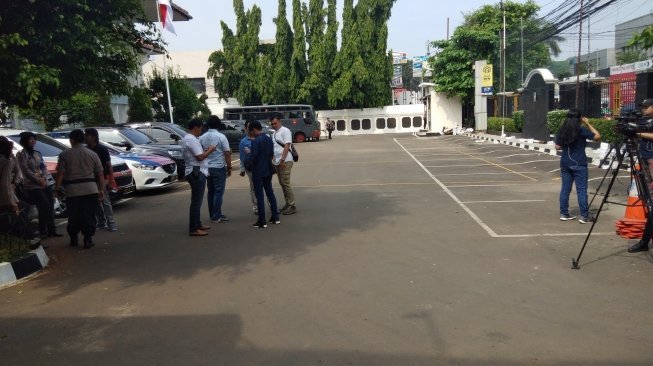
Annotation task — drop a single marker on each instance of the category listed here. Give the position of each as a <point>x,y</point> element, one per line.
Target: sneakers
<point>274,221</point>
<point>566,217</point>
<point>260,225</point>
<point>101,226</point>
<point>586,220</point>
<point>221,220</point>
<point>639,247</point>
<point>289,210</point>
<point>111,227</point>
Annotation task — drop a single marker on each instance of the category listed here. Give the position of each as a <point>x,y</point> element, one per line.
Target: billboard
<point>419,64</point>
<point>399,58</point>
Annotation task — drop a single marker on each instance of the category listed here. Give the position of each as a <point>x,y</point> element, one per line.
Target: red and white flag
<point>165,11</point>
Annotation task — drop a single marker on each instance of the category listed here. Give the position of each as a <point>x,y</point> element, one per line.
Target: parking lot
<point>405,251</point>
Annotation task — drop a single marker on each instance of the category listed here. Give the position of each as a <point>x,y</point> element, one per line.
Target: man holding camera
<point>646,151</point>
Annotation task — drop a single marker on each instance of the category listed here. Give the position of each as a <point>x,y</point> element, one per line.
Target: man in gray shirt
<point>80,172</point>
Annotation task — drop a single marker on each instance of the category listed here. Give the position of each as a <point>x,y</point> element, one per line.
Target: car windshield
<point>138,137</point>
<point>47,146</point>
<point>181,131</point>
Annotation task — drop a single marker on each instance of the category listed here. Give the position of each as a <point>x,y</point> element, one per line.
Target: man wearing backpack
<point>282,138</point>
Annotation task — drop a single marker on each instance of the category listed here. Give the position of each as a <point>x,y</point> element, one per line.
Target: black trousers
<point>81,215</point>
<point>43,198</point>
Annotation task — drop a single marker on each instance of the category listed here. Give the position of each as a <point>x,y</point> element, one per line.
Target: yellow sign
<point>486,75</point>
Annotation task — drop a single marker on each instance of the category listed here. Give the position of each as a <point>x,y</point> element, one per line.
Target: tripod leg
<point>575,261</point>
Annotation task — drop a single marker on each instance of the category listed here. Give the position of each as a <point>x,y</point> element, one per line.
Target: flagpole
<point>165,56</point>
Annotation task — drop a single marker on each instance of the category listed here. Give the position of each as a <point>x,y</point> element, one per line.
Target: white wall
<point>445,112</point>
<point>380,119</point>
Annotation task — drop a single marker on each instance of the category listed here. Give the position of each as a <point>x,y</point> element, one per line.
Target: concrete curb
<point>545,148</point>
<point>31,263</point>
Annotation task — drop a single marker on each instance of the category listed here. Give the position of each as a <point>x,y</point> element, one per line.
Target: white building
<point>192,65</point>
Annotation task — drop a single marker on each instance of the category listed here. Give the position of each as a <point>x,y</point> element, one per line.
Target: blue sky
<point>412,25</point>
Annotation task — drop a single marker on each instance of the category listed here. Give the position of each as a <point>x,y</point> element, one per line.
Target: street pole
<point>503,68</point>
<point>580,41</point>
<point>521,21</point>
<point>165,68</point>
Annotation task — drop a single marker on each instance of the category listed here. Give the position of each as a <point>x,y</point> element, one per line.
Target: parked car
<point>121,172</point>
<point>129,139</point>
<point>148,171</point>
<point>162,132</point>
<point>234,130</point>
<point>50,148</point>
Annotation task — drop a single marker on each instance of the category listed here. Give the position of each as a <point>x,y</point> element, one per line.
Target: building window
<point>198,84</point>
<point>367,124</point>
<point>392,123</point>
<point>380,123</point>
<point>417,121</point>
<point>341,125</point>
<point>405,122</point>
<point>355,124</point>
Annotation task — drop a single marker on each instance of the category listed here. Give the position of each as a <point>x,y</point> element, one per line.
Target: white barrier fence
<point>367,121</point>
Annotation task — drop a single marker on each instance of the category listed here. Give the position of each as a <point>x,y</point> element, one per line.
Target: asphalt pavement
<point>404,251</point>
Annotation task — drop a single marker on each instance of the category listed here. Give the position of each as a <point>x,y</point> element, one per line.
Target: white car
<point>148,171</point>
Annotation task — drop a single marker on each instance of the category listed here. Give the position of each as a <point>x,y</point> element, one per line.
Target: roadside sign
<point>487,90</point>
<point>486,76</point>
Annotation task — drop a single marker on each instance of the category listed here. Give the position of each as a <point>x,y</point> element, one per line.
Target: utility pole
<point>521,21</point>
<point>580,41</point>
<point>503,67</point>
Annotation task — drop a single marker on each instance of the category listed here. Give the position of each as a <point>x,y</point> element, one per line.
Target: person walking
<point>37,184</point>
<point>283,162</point>
<point>104,210</point>
<point>245,150</point>
<point>260,163</point>
<point>571,138</point>
<point>330,126</point>
<point>219,163</point>
<point>80,172</point>
<point>197,169</point>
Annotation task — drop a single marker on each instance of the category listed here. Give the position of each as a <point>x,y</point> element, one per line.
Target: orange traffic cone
<point>631,226</point>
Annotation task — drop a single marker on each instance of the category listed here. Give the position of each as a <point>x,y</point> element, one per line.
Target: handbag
<point>293,151</point>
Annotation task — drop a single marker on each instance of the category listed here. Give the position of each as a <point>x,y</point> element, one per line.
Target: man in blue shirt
<point>260,163</point>
<point>646,151</point>
<point>245,149</point>
<point>219,163</point>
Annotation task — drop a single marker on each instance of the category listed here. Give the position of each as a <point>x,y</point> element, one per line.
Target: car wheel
<point>300,137</point>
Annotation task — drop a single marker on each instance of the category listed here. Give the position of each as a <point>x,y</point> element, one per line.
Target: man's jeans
<point>216,182</point>
<point>284,182</point>
<point>574,175</point>
<point>104,211</point>
<point>261,185</point>
<point>197,181</point>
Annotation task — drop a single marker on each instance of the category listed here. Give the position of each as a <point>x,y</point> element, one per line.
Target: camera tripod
<point>627,148</point>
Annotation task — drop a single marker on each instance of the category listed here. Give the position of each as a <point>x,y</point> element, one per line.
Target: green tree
<point>140,105</point>
<point>298,68</point>
<point>478,38</point>
<point>101,113</point>
<point>644,39</point>
<point>186,105</point>
<point>314,90</point>
<point>234,68</point>
<point>630,56</point>
<point>51,50</point>
<point>283,51</point>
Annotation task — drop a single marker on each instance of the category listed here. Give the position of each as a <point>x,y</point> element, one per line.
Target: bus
<point>300,119</point>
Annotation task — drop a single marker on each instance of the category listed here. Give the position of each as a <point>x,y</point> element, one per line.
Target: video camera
<point>632,123</point>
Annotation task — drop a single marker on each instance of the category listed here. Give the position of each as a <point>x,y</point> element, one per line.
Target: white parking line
<point>478,219</point>
<point>453,196</point>
<point>506,201</point>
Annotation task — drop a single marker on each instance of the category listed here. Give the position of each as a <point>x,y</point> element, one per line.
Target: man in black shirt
<point>104,211</point>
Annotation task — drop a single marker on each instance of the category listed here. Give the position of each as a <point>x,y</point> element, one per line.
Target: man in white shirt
<point>283,162</point>
<point>219,168</point>
<point>197,169</point>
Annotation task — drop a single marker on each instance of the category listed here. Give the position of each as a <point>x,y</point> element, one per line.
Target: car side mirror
<point>125,144</point>
<point>175,137</point>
